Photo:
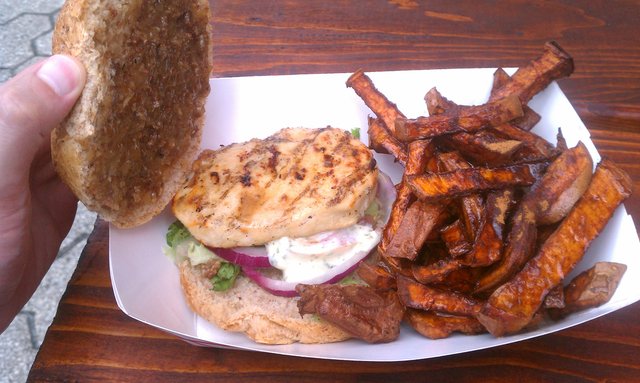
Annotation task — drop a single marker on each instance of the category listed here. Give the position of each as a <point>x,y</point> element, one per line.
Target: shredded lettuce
<point>225,277</point>
<point>373,210</point>
<point>198,253</point>
<point>352,279</point>
<point>171,253</point>
<point>176,242</point>
<point>181,245</point>
<point>355,132</point>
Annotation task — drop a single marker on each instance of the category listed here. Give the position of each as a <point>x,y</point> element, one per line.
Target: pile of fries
<point>490,217</point>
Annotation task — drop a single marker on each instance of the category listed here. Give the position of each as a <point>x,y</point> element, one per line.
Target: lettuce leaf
<point>176,233</point>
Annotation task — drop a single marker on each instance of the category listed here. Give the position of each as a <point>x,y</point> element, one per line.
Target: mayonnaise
<point>302,259</point>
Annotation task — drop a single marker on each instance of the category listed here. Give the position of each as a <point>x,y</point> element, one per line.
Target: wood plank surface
<point>92,340</point>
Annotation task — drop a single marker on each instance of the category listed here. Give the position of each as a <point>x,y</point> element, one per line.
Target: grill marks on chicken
<point>295,183</point>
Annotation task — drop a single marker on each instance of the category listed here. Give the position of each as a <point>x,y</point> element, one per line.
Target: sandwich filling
<point>310,228</point>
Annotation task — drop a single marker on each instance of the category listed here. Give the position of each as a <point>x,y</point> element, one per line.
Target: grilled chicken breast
<point>295,183</point>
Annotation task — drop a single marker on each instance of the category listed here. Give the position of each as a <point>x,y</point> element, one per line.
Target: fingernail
<point>61,74</point>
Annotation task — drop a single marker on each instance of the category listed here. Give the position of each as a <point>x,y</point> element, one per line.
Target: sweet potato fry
<point>470,119</point>
<point>513,304</point>
<point>554,63</point>
<point>419,154</point>
<point>549,200</point>
<point>384,109</point>
<point>538,320</point>
<point>454,237</point>
<point>418,296</point>
<point>398,266</point>
<point>537,147</point>
<point>435,272</point>
<point>529,118</point>
<point>377,275</point>
<point>563,183</point>
<point>544,232</point>
<point>461,280</point>
<point>561,142</point>
<point>435,186</point>
<point>519,247</point>
<point>554,299</point>
<point>487,209</point>
<point>437,326</point>
<point>447,214</point>
<point>500,79</point>
<point>471,206</point>
<point>488,244</point>
<point>438,104</point>
<point>484,147</point>
<point>381,141</point>
<point>432,252</point>
<point>416,225</point>
<point>591,288</point>
<point>495,145</point>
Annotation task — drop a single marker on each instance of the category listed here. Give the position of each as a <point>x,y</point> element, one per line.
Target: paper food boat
<point>146,284</point>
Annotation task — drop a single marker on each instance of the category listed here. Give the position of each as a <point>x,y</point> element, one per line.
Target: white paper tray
<point>146,283</point>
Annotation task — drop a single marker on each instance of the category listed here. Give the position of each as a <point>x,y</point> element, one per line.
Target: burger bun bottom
<point>247,308</point>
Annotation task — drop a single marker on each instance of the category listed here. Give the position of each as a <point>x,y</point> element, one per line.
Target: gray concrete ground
<point>25,37</point>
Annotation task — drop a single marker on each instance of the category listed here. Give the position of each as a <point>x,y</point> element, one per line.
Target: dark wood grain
<point>92,340</point>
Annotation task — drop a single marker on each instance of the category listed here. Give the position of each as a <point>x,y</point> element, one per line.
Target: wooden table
<point>91,339</point>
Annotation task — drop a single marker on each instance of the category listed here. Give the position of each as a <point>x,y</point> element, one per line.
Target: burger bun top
<point>128,144</point>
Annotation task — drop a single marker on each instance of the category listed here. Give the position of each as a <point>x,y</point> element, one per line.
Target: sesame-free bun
<point>128,144</point>
<point>249,309</point>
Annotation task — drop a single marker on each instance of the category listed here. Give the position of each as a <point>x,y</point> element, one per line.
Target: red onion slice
<point>274,286</point>
<point>385,196</point>
<point>244,256</point>
<point>288,289</point>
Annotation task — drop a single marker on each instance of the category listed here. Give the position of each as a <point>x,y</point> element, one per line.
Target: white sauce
<point>301,259</point>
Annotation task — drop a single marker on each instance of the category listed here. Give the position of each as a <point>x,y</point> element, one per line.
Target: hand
<point>36,208</point>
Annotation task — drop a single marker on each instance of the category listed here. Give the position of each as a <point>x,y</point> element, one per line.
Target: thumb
<point>31,105</point>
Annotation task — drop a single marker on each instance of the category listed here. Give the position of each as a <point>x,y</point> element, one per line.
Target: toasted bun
<point>247,308</point>
<point>129,142</point>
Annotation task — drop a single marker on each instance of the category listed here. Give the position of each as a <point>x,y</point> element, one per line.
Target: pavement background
<point>26,27</point>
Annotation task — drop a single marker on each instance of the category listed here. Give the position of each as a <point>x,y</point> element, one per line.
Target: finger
<point>31,105</point>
